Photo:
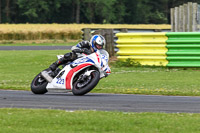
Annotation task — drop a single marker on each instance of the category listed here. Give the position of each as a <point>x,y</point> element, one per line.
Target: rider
<point>86,47</point>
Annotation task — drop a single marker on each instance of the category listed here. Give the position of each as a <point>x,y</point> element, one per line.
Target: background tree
<point>88,11</point>
<point>34,11</point>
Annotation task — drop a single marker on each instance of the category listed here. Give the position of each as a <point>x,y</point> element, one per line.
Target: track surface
<point>107,102</point>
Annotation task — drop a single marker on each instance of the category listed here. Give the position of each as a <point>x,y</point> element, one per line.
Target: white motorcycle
<point>79,76</point>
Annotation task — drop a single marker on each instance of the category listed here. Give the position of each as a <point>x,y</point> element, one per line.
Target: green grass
<point>18,68</point>
<point>51,121</point>
<point>39,44</point>
<point>156,81</point>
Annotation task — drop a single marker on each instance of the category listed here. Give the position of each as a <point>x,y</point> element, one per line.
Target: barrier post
<point>184,18</point>
<point>86,34</point>
<point>180,25</point>
<point>109,41</point>
<point>190,16</point>
<point>194,16</point>
<point>172,19</point>
<point>176,19</point>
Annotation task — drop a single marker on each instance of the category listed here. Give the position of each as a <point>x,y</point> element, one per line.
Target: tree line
<point>88,11</point>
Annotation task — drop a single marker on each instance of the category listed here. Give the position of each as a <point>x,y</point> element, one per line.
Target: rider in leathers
<point>86,47</point>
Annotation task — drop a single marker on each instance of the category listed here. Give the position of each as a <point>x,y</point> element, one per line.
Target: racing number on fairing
<point>79,61</point>
<point>60,81</point>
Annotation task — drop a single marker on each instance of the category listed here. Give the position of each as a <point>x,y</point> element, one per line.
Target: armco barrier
<point>172,49</point>
<point>183,49</point>
<point>143,48</point>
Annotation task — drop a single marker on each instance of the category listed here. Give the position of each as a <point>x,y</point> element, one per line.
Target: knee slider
<point>67,56</point>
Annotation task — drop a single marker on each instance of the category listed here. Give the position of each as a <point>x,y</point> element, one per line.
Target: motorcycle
<point>78,77</point>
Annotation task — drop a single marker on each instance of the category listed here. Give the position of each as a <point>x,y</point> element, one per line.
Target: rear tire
<point>81,91</point>
<point>38,85</point>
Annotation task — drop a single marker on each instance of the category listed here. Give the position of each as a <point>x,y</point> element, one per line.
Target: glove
<point>86,51</point>
<point>77,51</point>
<point>84,43</point>
<point>53,66</point>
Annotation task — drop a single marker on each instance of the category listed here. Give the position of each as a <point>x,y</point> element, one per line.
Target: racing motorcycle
<point>78,77</point>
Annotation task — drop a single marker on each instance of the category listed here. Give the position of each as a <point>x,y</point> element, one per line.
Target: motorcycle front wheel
<point>81,88</point>
<point>38,85</point>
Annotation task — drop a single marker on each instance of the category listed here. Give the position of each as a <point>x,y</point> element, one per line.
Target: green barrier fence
<point>182,48</point>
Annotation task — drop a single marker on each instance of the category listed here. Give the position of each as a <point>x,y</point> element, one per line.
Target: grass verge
<point>39,44</point>
<point>51,121</point>
<point>18,68</point>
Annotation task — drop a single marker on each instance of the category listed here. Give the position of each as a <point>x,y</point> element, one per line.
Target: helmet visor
<point>98,46</point>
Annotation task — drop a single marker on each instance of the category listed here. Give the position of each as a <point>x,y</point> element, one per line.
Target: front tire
<point>38,85</point>
<point>95,77</point>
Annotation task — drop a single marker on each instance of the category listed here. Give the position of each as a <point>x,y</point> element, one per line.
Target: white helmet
<point>97,42</point>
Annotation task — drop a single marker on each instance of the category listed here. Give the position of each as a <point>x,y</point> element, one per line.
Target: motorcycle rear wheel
<point>95,77</point>
<point>38,85</point>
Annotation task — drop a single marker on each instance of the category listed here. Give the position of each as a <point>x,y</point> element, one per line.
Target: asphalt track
<point>105,102</point>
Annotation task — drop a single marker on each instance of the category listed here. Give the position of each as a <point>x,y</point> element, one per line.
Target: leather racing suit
<point>82,47</point>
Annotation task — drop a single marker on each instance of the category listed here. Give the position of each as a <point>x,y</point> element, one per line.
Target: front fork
<point>48,75</point>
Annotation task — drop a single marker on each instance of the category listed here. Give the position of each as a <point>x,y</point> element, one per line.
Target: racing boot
<point>67,57</point>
